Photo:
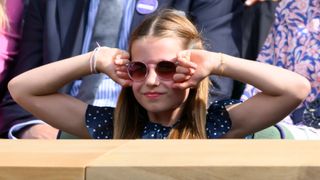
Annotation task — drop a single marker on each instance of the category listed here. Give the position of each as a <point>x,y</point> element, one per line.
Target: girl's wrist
<point>93,60</point>
<point>218,61</point>
<point>221,64</point>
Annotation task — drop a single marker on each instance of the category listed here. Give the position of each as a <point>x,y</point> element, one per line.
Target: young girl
<point>165,88</point>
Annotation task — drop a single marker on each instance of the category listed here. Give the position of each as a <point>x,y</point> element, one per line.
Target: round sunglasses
<point>138,71</point>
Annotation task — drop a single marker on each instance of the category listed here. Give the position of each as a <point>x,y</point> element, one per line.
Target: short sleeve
<point>218,120</point>
<point>99,122</point>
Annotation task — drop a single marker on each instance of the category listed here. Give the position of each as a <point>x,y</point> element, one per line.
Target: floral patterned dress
<point>294,44</point>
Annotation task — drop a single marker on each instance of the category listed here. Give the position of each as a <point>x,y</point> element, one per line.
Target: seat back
<point>273,132</point>
<point>64,135</point>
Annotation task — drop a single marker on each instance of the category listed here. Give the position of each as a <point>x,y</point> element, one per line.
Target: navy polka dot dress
<point>99,121</point>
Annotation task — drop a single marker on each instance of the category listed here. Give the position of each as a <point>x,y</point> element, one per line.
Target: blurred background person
<point>258,17</point>
<point>293,43</point>
<point>11,13</point>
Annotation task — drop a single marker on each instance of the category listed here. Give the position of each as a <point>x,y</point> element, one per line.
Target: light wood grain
<point>49,160</point>
<point>209,159</point>
<point>159,159</point>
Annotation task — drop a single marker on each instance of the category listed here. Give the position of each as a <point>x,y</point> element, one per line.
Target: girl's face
<point>154,92</point>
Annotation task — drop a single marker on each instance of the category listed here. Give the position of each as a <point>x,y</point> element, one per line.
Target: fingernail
<point>117,61</point>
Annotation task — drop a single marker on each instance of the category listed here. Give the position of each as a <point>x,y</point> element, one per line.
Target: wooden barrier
<point>49,160</point>
<point>159,159</point>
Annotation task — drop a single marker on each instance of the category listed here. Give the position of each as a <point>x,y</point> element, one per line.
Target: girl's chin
<point>159,109</point>
<point>154,110</point>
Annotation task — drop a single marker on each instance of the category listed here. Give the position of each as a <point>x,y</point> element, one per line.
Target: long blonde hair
<point>4,22</point>
<point>130,116</point>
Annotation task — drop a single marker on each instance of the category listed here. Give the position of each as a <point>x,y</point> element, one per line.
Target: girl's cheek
<point>136,86</point>
<point>168,84</point>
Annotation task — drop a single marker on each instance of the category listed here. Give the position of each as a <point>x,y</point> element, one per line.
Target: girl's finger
<point>122,54</point>
<point>183,70</point>
<point>183,85</point>
<point>121,68</point>
<point>181,77</point>
<point>122,75</point>
<point>183,62</point>
<point>120,61</point>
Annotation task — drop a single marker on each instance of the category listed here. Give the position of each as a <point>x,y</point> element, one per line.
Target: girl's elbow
<point>302,89</point>
<point>14,89</point>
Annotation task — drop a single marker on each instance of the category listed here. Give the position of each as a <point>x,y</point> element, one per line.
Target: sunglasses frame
<point>147,70</point>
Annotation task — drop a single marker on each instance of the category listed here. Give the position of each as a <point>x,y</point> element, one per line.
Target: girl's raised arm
<point>281,90</point>
<point>37,90</point>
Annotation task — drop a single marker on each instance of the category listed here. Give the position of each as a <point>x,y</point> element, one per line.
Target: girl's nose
<point>152,78</point>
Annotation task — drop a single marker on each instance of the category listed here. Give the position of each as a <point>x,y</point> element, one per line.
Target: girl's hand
<point>193,66</point>
<point>113,62</point>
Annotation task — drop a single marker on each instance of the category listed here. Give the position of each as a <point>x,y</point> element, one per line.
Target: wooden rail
<point>159,159</point>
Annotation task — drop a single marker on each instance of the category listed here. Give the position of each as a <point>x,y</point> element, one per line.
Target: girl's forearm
<point>49,78</point>
<point>282,91</point>
<point>269,79</point>
<point>37,92</point>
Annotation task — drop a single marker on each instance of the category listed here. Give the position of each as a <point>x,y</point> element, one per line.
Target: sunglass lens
<point>137,71</point>
<point>166,69</point>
